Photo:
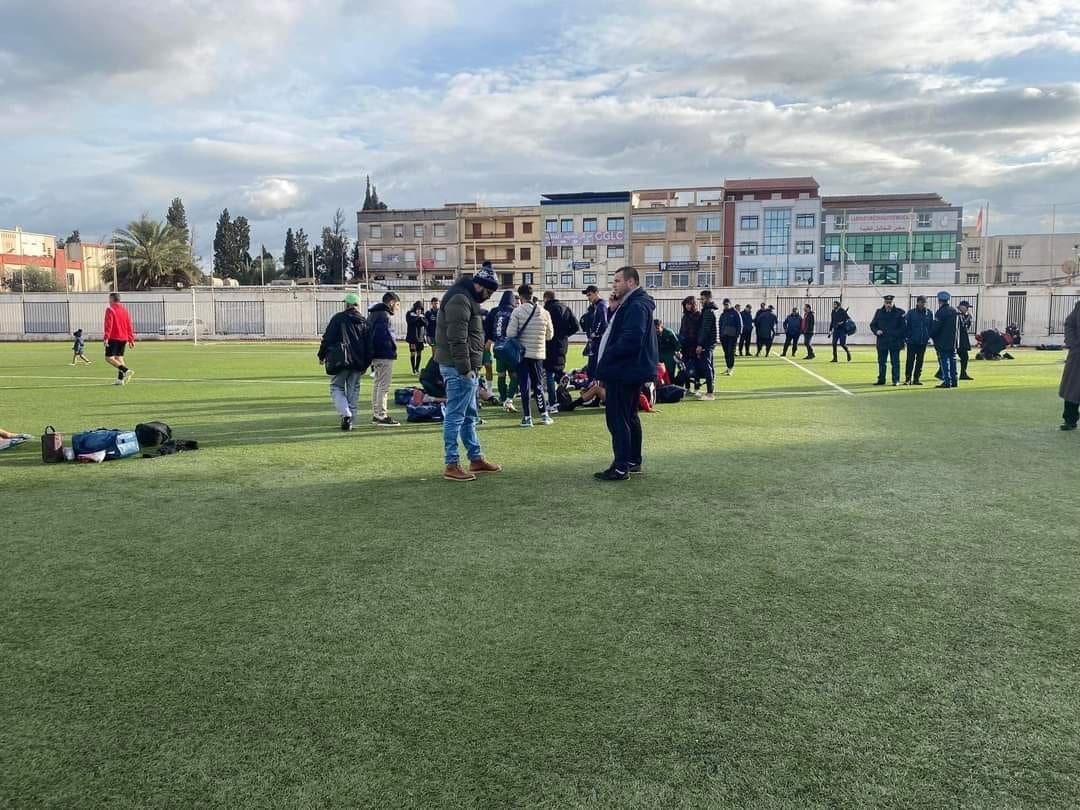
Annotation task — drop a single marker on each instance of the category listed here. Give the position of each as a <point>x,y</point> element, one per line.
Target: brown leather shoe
<point>480,466</point>
<point>455,473</point>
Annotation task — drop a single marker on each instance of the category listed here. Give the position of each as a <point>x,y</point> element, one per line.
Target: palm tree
<point>151,254</point>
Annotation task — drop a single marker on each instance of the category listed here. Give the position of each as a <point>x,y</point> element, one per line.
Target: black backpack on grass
<point>152,434</point>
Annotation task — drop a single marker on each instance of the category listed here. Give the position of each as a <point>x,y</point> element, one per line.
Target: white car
<point>185,326</point>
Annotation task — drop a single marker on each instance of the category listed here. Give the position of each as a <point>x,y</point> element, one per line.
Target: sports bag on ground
<point>670,393</point>
<point>115,443</point>
<point>152,434</point>
<point>511,350</point>
<point>423,413</point>
<point>403,396</point>
<point>52,446</point>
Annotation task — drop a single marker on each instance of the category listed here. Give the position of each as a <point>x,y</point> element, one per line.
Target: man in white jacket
<point>531,324</point>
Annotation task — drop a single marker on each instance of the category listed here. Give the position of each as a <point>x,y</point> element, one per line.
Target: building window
<point>551,252</point>
<point>712,223</point>
<point>567,279</point>
<point>399,231</point>
<point>376,257</point>
<point>804,275</point>
<point>924,220</point>
<point>654,281</point>
<point>707,253</point>
<point>973,254</point>
<point>588,278</point>
<point>679,253</point>
<point>654,253</point>
<point>526,227</point>
<point>375,231</point>
<point>680,224</point>
<point>922,272</point>
<point>1014,251</point>
<point>680,279</point>
<point>440,229</point>
<point>510,254</point>
<point>748,248</point>
<point>748,223</point>
<point>804,248</point>
<point>551,226</point>
<point>480,255</point>
<point>567,253</point>
<point>650,225</point>
<point>615,251</point>
<point>527,278</point>
<point>777,231</point>
<point>526,254</point>
<point>616,224</point>
<point>804,221</point>
<point>611,278</point>
<point>589,225</point>
<point>774,278</point>
<point>410,257</point>
<point>440,255</point>
<point>567,226</point>
<point>705,280</point>
<point>418,231</point>
<point>748,276</point>
<point>892,247</point>
<point>588,252</point>
<point>886,274</point>
<point>838,222</point>
<point>551,279</point>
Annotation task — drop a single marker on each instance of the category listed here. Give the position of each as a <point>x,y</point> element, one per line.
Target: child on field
<point>78,349</point>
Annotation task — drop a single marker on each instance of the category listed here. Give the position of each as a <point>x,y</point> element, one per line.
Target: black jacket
<point>943,330</point>
<point>963,339</point>
<point>356,332</point>
<point>630,352</point>
<point>707,331</point>
<point>689,330</point>
<point>383,340</point>
<point>892,324</point>
<point>793,325</point>
<point>838,318</point>
<point>565,324</point>
<point>765,322</point>
<point>415,327</point>
<point>747,322</point>
<point>730,323</point>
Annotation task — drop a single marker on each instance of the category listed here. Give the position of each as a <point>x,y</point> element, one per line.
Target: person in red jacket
<point>119,334</point>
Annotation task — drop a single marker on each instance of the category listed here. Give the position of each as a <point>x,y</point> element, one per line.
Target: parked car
<point>185,326</point>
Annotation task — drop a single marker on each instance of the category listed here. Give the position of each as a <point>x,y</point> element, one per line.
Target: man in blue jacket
<point>747,331</point>
<point>598,321</point>
<point>431,319</point>
<point>792,330</point>
<point>945,335</point>
<point>383,354</point>
<point>919,321</point>
<point>765,323</point>
<point>730,327</point>
<point>628,356</point>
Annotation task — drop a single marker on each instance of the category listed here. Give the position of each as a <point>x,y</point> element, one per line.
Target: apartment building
<point>891,239</point>
<point>77,267</point>
<point>507,237</point>
<point>585,238</point>
<point>402,245</point>
<point>771,232</point>
<point>676,236</point>
<point>1028,258</point>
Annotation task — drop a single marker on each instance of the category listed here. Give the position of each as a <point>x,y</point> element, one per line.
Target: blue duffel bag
<point>403,396</point>
<point>423,413</point>
<point>115,443</point>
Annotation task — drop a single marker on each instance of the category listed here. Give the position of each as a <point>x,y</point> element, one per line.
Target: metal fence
<point>821,306</point>
<point>1061,306</point>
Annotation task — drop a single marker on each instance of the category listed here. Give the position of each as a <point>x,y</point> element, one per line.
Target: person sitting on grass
<point>669,345</point>
<point>9,439</point>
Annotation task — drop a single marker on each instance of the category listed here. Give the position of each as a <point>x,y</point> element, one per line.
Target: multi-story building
<point>891,239</point>
<point>403,244</point>
<point>507,237</point>
<point>76,267</point>
<point>585,237</point>
<point>1028,258</point>
<point>88,266</point>
<point>676,236</point>
<point>771,232</point>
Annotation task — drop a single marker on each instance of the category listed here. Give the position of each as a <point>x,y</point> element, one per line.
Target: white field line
<point>817,376</point>
<point>139,379</point>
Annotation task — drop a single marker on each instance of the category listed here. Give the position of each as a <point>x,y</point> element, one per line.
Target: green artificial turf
<point>810,599</point>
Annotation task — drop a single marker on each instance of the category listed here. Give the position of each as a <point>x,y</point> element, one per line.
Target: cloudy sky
<point>277,109</point>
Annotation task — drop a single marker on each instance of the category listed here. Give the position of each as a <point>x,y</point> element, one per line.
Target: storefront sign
<point>676,266</point>
<point>581,265</point>
<point>901,222</point>
<point>586,238</point>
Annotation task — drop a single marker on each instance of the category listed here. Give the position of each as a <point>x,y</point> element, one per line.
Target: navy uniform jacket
<point>630,352</point>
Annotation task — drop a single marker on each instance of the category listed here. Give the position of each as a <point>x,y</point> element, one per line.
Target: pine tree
<point>223,235</point>
<point>367,196</point>
<point>290,258</point>
<point>177,216</point>
<point>241,243</point>
<point>303,253</point>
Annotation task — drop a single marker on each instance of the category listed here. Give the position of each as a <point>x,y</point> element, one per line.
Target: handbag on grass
<point>511,350</point>
<point>52,446</point>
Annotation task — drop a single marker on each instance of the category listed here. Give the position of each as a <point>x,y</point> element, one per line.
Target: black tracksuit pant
<point>744,341</point>
<point>913,363</point>
<point>728,344</point>
<point>793,342</point>
<point>764,341</point>
<point>621,413</point>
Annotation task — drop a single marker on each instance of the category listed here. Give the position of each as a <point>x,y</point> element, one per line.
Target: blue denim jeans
<point>461,414</point>
<point>947,360</point>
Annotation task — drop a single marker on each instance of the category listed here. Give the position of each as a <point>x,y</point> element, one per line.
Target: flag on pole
<point>979,222</point>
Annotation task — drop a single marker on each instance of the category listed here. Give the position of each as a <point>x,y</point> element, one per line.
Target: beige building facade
<point>507,237</point>
<point>676,236</point>
<point>1033,258</point>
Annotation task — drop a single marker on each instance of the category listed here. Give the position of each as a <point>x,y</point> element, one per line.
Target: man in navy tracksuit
<point>919,323</point>
<point>431,317</point>
<point>707,334</point>
<point>730,328</point>
<point>792,330</point>
<point>838,329</point>
<point>747,331</point>
<point>598,321</point>
<point>628,356</point>
<point>765,323</point>
<point>495,331</point>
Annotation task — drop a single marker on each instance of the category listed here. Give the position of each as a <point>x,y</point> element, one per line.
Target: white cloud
<point>273,195</point>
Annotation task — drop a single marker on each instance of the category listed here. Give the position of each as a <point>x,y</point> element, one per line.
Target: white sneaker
<point>546,419</point>
<point>728,372</point>
<point>527,422</point>
<point>553,409</point>
<point>509,406</point>
<point>127,376</point>
<point>708,397</point>
<point>118,382</point>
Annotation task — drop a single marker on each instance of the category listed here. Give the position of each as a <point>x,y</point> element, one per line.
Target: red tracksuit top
<point>118,324</point>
